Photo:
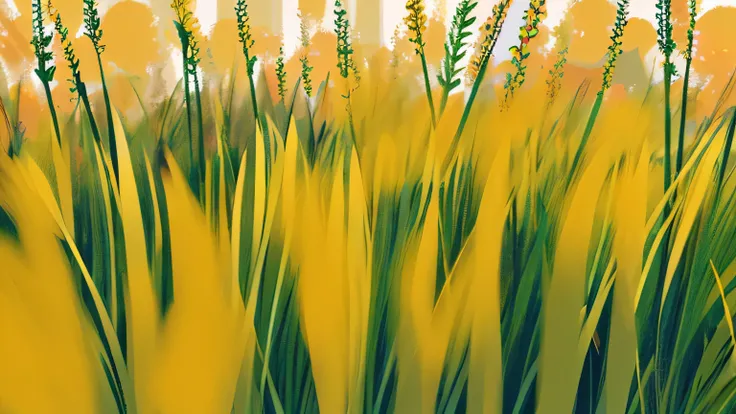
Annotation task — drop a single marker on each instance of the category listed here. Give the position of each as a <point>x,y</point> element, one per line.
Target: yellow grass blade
<point>141,307</point>
<point>323,297</point>
<point>64,184</point>
<point>560,368</point>
<point>38,307</point>
<point>37,180</point>
<point>358,267</point>
<point>109,221</point>
<point>485,393</point>
<point>631,210</point>
<point>201,344</point>
<point>693,201</point>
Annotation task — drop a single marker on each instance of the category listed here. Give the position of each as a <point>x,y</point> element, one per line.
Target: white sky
<point>393,12</point>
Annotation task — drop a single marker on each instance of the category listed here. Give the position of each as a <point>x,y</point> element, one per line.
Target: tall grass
<point>349,258</point>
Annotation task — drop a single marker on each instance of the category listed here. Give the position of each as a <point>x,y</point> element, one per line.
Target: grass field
<point>364,236</point>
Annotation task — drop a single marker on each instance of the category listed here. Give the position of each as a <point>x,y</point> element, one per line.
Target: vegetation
<point>340,246</point>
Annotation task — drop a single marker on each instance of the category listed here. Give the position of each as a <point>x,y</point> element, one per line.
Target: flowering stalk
<point>304,59</point>
<point>489,32</point>
<point>536,12</point>
<point>554,82</point>
<point>667,47</point>
<point>455,49</point>
<point>94,33</point>
<point>186,24</point>
<point>417,23</point>
<point>44,59</point>
<point>281,74</point>
<point>72,60</point>
<point>395,55</point>
<point>614,50</point>
<point>345,62</point>
<point>688,54</point>
<point>246,40</point>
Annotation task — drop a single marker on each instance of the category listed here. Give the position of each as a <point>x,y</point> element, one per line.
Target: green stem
<point>200,145</point>
<point>683,120</point>
<point>428,89</point>
<point>253,98</point>
<point>82,90</point>
<point>110,124</point>
<point>192,178</point>
<point>443,101</point>
<point>466,114</point>
<point>667,127</point>
<point>52,109</point>
<point>586,136</point>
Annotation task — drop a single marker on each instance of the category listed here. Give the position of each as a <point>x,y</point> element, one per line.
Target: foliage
<point>455,49</point>
<point>304,262</point>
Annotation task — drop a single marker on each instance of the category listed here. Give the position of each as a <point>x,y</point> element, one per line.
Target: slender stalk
<point>41,42</point>
<point>52,109</point>
<point>683,121</point>
<point>667,129</point>
<point>200,137</point>
<point>82,90</point>
<point>688,54</point>
<point>110,124</point>
<point>455,50</point>
<point>93,30</point>
<point>490,31</point>
<point>428,90</point>
<point>586,136</point>
<point>247,42</point>
<point>187,98</point>
<point>253,98</point>
<point>614,50</point>
<point>417,23</point>
<point>464,119</point>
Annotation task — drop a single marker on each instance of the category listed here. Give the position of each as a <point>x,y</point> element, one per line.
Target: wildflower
<point>534,15</point>
<point>688,53</point>
<point>281,73</point>
<point>555,76</point>
<point>244,35</point>
<point>665,41</point>
<point>614,50</point>
<point>188,26</point>
<point>489,32</point>
<point>304,59</point>
<point>92,25</point>
<point>395,55</point>
<point>416,21</point>
<point>345,62</point>
<point>66,44</point>
<point>246,39</point>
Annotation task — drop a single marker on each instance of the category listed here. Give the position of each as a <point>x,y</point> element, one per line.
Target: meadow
<point>418,228</point>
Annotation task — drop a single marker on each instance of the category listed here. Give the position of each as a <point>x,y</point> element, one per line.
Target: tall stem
<point>667,128</point>
<point>683,120</point>
<point>428,89</point>
<point>200,146</point>
<point>110,125</point>
<point>253,98</point>
<point>443,101</point>
<point>82,90</point>
<point>586,136</point>
<point>192,178</point>
<point>52,109</point>
<point>466,114</point>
